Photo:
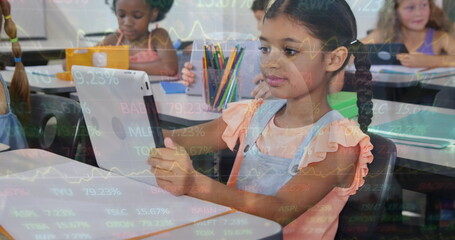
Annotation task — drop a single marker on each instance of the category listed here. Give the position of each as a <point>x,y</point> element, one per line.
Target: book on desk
<point>423,129</point>
<point>417,73</point>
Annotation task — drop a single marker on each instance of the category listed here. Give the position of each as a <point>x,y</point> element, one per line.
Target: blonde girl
<point>422,27</point>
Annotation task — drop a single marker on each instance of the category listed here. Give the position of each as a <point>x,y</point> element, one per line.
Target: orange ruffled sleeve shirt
<point>320,221</point>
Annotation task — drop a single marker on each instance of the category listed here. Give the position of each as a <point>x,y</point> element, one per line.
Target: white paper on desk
<point>45,70</point>
<point>77,201</point>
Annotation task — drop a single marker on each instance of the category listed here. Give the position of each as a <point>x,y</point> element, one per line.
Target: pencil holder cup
<point>220,89</point>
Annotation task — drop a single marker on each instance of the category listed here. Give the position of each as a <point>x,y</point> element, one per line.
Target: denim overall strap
<point>327,119</point>
<point>11,132</point>
<point>260,119</point>
<point>5,88</point>
<point>266,174</point>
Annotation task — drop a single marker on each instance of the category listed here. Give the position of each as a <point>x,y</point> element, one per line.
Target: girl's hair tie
<point>14,40</point>
<point>17,60</point>
<point>7,17</point>
<point>354,42</point>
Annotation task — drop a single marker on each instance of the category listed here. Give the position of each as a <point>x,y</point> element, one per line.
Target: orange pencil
<point>226,73</point>
<point>206,82</point>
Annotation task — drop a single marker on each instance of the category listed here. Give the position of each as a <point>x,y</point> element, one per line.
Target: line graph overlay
<point>64,199</point>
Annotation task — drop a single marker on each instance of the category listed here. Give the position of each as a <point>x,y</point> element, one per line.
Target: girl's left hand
<point>187,75</point>
<point>415,59</point>
<point>261,90</point>
<point>173,168</point>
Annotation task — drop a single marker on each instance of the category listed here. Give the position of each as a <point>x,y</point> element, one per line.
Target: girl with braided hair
<point>298,160</point>
<point>422,27</point>
<point>150,51</point>
<point>11,132</point>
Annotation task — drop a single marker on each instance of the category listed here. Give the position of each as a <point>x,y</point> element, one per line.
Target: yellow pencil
<point>227,70</point>
<point>221,51</point>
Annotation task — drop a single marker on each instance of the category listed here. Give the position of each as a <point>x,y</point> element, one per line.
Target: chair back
<point>364,210</point>
<point>445,98</point>
<point>53,124</point>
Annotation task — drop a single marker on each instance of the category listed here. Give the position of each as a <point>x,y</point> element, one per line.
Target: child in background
<point>150,51</point>
<point>298,160</point>
<point>11,132</point>
<point>422,27</point>
<point>258,7</point>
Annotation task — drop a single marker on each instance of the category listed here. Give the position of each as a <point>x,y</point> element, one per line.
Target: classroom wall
<point>29,18</point>
<point>67,20</point>
<point>366,13</point>
<point>240,18</point>
<point>86,16</point>
<point>60,29</point>
<point>187,20</point>
<point>194,19</point>
<point>210,16</point>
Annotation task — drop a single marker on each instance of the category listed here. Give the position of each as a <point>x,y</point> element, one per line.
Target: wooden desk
<point>388,79</point>
<point>439,83</point>
<point>3,147</point>
<point>438,161</point>
<point>42,45</point>
<point>394,80</point>
<point>52,85</point>
<point>234,226</point>
<point>400,80</point>
<point>44,84</point>
<point>39,52</point>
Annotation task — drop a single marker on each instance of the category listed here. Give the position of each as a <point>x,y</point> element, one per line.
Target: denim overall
<point>265,174</point>
<point>11,132</point>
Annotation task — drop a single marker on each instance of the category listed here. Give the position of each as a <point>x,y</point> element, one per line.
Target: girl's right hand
<point>173,168</point>
<point>261,90</point>
<point>187,75</point>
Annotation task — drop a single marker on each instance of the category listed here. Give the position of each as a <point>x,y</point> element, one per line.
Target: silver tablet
<point>121,118</point>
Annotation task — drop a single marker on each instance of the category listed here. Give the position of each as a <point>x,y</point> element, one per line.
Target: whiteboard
<point>29,18</point>
<point>88,17</point>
